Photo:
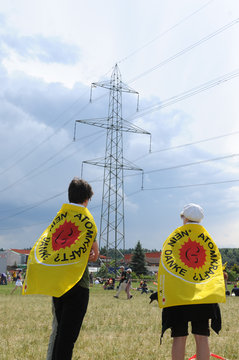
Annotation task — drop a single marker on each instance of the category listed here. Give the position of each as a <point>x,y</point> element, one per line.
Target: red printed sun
<point>65,235</point>
<point>193,254</point>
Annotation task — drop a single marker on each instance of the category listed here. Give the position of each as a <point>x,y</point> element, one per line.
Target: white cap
<point>129,270</point>
<point>192,212</point>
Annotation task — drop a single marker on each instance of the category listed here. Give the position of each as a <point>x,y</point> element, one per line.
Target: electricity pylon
<point>112,224</point>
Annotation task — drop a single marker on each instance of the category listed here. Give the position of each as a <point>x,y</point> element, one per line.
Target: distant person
<point>235,291</point>
<point>14,276</point>
<point>3,279</point>
<point>128,284</point>
<point>144,287</point>
<point>18,283</point>
<point>122,282</point>
<point>190,284</point>
<point>91,279</point>
<point>58,266</point>
<point>9,278</point>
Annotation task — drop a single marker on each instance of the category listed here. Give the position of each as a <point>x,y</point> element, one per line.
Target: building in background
<point>12,259</point>
<point>151,259</point>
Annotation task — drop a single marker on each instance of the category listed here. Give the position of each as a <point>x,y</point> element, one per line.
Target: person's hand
<point>92,255</point>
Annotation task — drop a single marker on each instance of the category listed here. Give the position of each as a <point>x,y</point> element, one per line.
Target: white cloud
<point>47,59</point>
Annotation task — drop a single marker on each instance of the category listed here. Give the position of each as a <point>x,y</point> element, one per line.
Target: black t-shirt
<point>123,277</point>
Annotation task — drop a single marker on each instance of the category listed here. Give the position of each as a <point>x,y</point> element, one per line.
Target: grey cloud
<point>48,50</point>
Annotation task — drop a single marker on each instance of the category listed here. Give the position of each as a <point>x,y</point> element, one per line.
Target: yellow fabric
<point>59,258</point>
<point>190,269</point>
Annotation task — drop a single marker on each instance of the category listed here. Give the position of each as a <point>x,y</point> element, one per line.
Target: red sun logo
<point>193,254</point>
<point>65,235</point>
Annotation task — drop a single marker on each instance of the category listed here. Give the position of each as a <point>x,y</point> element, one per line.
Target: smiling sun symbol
<point>193,254</point>
<point>65,235</point>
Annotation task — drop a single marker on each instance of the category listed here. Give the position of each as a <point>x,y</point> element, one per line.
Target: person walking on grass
<point>190,284</point>
<point>122,282</point>
<point>57,266</point>
<point>18,283</point>
<point>128,284</point>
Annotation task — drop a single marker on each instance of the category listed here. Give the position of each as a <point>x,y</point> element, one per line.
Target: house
<point>13,258</point>
<point>151,259</point>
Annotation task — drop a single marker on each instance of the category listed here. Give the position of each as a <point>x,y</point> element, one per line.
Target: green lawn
<point>112,330</point>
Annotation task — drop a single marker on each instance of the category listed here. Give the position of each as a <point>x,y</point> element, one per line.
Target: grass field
<point>113,329</point>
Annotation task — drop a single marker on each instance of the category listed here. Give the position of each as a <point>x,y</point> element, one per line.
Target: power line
<point>184,95</point>
<point>30,152</point>
<point>189,48</point>
<point>164,32</point>
<point>187,144</point>
<point>41,143</point>
<point>191,185</point>
<point>38,223</point>
<point>30,174</point>
<point>34,205</point>
<point>188,164</point>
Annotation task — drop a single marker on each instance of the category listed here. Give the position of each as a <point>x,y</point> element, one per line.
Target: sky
<point>182,57</point>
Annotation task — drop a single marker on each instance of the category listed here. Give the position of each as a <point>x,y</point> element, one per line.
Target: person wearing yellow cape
<point>190,284</point>
<point>58,266</point>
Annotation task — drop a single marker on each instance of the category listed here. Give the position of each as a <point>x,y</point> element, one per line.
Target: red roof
<point>19,251</point>
<point>148,255</point>
<point>155,254</point>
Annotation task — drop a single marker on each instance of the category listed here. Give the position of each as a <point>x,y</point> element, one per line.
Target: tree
<point>232,275</point>
<point>235,268</point>
<point>138,264</point>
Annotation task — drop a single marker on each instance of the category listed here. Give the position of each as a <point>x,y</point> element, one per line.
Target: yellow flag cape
<point>59,258</point>
<point>190,269</point>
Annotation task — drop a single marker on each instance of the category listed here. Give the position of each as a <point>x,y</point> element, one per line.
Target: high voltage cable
<point>37,204</point>
<point>147,172</point>
<point>131,194</point>
<point>29,175</point>
<point>188,164</point>
<point>182,52</point>
<point>152,69</point>
<point>39,223</point>
<point>186,94</point>
<point>29,153</point>
<point>187,144</point>
<point>164,32</point>
<point>191,185</point>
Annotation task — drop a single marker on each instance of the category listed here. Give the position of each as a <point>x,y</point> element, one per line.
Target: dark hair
<point>79,191</point>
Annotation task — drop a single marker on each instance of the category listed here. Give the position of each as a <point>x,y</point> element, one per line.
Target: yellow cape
<point>59,258</point>
<point>190,269</point>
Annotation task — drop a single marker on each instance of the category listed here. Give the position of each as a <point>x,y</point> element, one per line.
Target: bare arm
<point>94,252</point>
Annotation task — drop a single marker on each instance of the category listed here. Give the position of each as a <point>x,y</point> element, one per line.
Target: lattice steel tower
<point>112,224</point>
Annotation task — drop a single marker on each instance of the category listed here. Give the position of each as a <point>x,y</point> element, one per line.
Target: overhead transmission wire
<point>187,49</point>
<point>37,204</point>
<point>187,144</point>
<point>56,131</point>
<point>190,93</point>
<point>183,186</point>
<point>184,95</point>
<point>41,143</point>
<point>35,171</point>
<point>187,164</point>
<point>43,222</point>
<point>220,30</point>
<point>30,152</point>
<point>165,32</point>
